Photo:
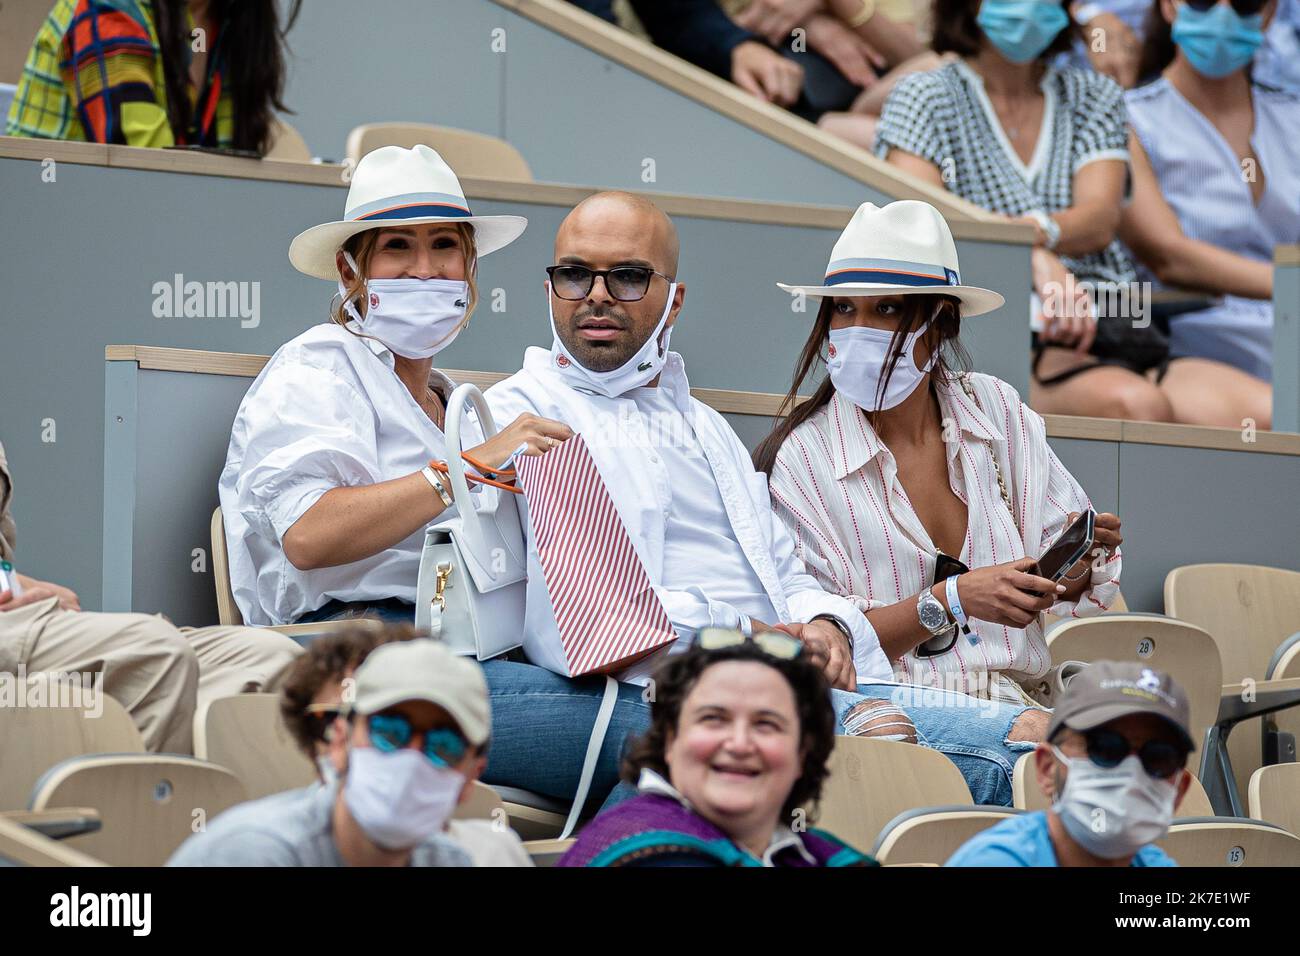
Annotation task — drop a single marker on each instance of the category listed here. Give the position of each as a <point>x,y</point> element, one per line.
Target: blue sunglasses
<point>391,732</point>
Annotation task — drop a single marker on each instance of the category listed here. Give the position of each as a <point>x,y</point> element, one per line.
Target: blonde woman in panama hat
<point>910,485</point>
<point>327,485</point>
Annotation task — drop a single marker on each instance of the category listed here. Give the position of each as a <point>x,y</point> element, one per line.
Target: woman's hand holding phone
<point>1002,593</point>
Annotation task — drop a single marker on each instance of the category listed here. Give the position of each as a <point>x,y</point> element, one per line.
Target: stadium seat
<point>1230,841</point>
<point>933,834</point>
<point>149,803</point>
<point>228,610</point>
<point>33,739</point>
<point>1251,611</point>
<point>483,804</point>
<point>532,815</point>
<point>246,734</point>
<point>476,155</point>
<point>1182,650</point>
<point>545,852</point>
<point>1027,795</point>
<point>20,846</point>
<point>1119,606</point>
<point>58,824</point>
<point>872,781</point>
<point>1274,795</point>
<point>287,144</point>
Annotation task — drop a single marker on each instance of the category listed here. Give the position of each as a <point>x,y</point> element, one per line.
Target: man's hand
<point>1112,49</point>
<point>828,649</point>
<point>850,54</point>
<point>34,590</point>
<point>760,70</point>
<point>775,19</point>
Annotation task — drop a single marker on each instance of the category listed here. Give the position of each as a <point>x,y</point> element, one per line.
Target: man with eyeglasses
<point>1113,766</point>
<point>401,755</point>
<point>685,492</point>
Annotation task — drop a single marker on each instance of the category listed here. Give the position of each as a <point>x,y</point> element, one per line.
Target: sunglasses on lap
<point>773,643</point>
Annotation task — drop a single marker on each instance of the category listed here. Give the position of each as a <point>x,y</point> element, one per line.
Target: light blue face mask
<point>1217,41</point>
<point>1021,29</point>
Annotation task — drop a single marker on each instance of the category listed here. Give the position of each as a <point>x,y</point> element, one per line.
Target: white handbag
<point>474,566</point>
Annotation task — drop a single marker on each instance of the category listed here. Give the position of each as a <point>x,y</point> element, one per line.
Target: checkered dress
<point>95,73</point>
<point>945,116</point>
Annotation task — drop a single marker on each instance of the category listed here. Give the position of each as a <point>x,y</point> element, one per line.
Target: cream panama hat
<point>904,248</point>
<point>396,186</point>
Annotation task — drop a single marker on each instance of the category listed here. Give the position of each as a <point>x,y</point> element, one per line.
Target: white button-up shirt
<point>835,485</point>
<point>327,411</point>
<point>635,474</point>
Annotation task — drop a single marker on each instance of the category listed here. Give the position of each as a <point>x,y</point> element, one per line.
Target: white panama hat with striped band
<point>392,186</point>
<point>904,248</point>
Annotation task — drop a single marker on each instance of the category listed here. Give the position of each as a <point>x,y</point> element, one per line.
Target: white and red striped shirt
<point>835,486</point>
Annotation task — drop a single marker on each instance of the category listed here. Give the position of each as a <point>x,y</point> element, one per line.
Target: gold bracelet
<point>862,16</point>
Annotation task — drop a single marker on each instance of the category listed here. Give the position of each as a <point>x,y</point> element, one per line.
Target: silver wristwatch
<point>933,615</point>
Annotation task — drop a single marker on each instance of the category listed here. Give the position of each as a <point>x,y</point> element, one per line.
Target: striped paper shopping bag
<point>607,614</point>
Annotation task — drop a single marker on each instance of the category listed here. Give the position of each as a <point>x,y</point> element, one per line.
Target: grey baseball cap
<point>424,669</point>
<point>1105,690</point>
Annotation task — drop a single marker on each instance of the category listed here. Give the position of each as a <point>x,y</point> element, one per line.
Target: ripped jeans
<point>974,734</point>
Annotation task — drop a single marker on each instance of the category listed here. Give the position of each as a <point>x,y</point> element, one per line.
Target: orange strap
<point>441,466</point>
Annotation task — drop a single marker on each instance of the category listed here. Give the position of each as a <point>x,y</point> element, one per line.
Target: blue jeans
<point>974,734</point>
<point>541,723</point>
<point>390,611</point>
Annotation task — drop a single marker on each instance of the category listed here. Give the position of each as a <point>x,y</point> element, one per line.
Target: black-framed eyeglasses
<point>625,283</point>
<point>1246,8</point>
<point>772,643</point>
<point>1108,748</point>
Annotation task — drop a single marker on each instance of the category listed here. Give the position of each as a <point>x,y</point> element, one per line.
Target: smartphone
<point>1072,544</point>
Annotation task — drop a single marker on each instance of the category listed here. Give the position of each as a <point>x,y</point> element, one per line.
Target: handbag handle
<point>471,520</point>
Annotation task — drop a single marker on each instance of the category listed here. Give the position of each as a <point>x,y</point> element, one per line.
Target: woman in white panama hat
<point>327,483</point>
<point>901,472</point>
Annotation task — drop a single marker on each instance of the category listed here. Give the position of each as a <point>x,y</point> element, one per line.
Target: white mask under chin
<point>414,318</point>
<point>641,368</point>
<point>856,362</point>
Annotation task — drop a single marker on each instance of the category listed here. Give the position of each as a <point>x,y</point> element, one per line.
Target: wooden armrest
<point>59,823</point>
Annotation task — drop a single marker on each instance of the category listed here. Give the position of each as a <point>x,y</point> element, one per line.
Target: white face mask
<point>399,799</point>
<point>635,372</point>
<point>1113,813</point>
<point>414,318</point>
<point>857,361</point>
